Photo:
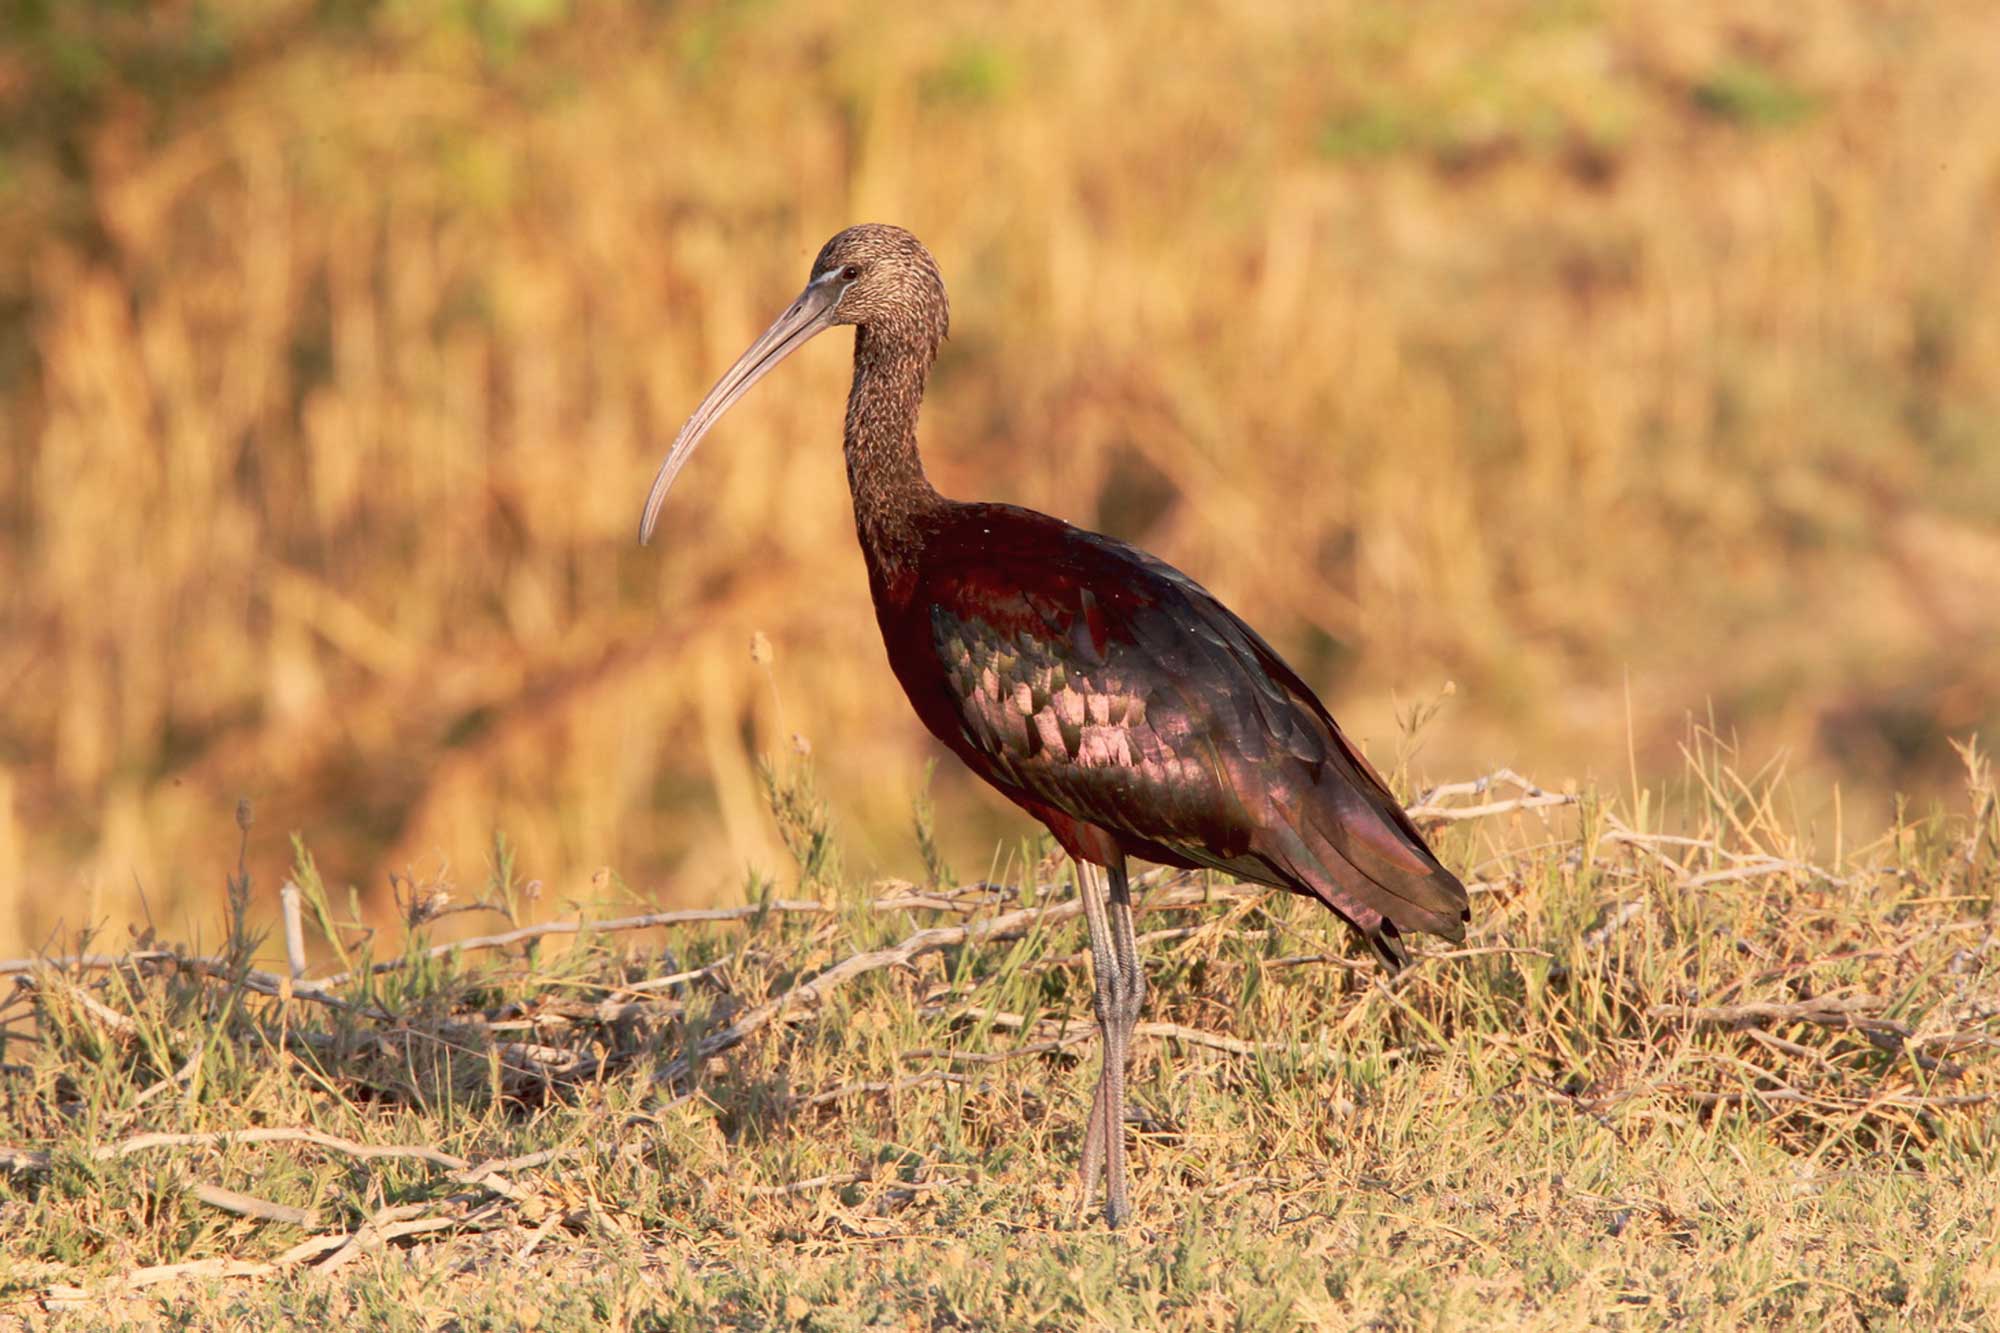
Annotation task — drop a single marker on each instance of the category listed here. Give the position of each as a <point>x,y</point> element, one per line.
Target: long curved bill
<point>812,313</point>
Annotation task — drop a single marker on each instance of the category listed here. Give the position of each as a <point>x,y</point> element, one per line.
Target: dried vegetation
<point>1688,1068</point>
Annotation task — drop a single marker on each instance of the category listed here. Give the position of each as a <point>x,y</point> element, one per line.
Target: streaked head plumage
<point>888,278</point>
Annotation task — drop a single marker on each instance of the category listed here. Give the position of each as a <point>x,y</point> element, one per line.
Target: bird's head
<point>884,279</point>
<point>875,276</point>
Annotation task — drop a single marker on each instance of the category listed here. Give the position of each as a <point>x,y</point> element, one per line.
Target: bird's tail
<point>1373,869</point>
<point>1387,942</point>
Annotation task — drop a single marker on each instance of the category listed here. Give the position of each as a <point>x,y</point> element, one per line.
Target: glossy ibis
<point>1101,690</point>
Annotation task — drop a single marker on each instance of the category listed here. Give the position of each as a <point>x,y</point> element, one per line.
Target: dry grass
<point>1689,1069</point>
<point>1608,360</point>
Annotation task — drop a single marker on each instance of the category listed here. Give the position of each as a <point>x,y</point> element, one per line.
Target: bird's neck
<point>892,497</point>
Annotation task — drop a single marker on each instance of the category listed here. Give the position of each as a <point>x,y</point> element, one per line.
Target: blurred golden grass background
<point>1615,362</point>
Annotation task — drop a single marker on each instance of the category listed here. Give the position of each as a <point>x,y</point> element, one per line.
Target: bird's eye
<point>850,273</point>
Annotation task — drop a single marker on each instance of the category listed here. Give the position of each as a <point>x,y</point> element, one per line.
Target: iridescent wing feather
<point>1101,682</point>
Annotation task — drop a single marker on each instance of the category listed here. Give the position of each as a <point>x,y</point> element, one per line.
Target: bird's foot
<point>1117,1210</point>
<point>1099,1157</point>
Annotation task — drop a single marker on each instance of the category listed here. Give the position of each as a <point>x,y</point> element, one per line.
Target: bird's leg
<point>1125,960</point>
<point>1097,1136</point>
<point>1127,998</point>
<point>1120,991</point>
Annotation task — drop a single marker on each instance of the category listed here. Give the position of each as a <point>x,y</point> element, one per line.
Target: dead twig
<point>1614,921</point>
<point>338,1247</point>
<point>841,1180</point>
<point>487,1175</point>
<point>1753,869</point>
<point>35,1159</point>
<point>63,1295</point>
<point>1075,1030</point>
<point>996,1057</point>
<point>678,978</point>
<point>244,1205</point>
<point>560,1217</point>
<point>885,1086</point>
<point>122,1024</point>
<point>1743,865</point>
<point>836,1180</point>
<point>480,1174</point>
<point>99,1010</point>
<point>1831,1102</point>
<point>385,1225</point>
<point>178,1078</point>
<point>1828,1010</point>
<point>1532,797</point>
<point>648,921</point>
<point>98,962</point>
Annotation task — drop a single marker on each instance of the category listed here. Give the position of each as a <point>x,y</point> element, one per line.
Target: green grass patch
<point>1752,96</point>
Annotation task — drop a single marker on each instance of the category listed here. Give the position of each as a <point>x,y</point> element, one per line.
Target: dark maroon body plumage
<point>1098,688</point>
<point>1117,701</point>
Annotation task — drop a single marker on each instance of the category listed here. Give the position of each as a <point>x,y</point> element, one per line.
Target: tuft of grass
<point>804,819</point>
<point>973,72</point>
<point>1691,1068</point>
<point>1750,95</point>
<point>1363,132</point>
<point>923,820</point>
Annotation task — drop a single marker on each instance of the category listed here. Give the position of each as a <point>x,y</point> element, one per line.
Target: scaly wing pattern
<point>1107,685</point>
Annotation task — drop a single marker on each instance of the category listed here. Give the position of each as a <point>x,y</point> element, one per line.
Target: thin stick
<point>177,1078</point>
<point>1532,797</point>
<point>998,1057</point>
<point>671,980</point>
<point>1792,1095</point>
<point>1747,865</point>
<point>1457,812</point>
<point>35,1159</point>
<point>295,935</point>
<point>98,962</point>
<point>386,1225</point>
<point>890,1086</point>
<point>557,1218</point>
<point>64,1294</point>
<point>840,1180</point>
<point>96,1008</point>
<point>648,921</point>
<point>1832,1011</point>
<point>478,1175</point>
<point>1769,865</point>
<point>243,1205</point>
<point>1079,1030</point>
